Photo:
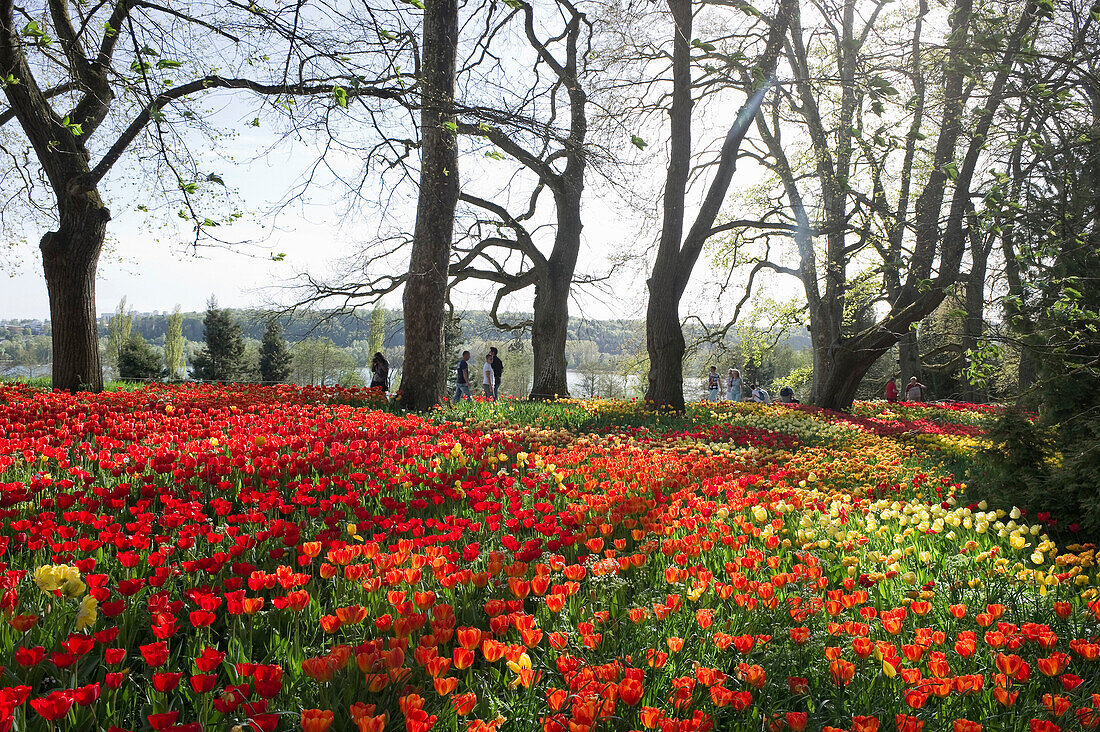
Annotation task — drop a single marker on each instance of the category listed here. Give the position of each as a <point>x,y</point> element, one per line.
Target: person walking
<point>462,382</point>
<point>733,386</point>
<point>498,371</point>
<point>487,376</point>
<point>914,390</point>
<point>892,390</point>
<point>379,372</point>
<point>714,382</point>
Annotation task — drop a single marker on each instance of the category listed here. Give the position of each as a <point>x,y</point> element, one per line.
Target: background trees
<point>902,164</point>
<point>909,233</point>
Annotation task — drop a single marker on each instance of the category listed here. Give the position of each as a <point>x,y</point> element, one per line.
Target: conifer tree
<point>275,356</point>
<point>137,360</point>
<point>222,358</point>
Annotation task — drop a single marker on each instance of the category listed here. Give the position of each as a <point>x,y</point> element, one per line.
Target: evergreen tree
<point>275,356</point>
<point>222,359</point>
<point>173,345</point>
<point>137,360</point>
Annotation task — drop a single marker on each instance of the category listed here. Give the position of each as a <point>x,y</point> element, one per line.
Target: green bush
<point>1050,476</point>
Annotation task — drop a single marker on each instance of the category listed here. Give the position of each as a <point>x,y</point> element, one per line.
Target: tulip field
<point>281,558</point>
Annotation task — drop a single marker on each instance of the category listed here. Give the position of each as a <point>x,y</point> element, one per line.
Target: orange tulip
<point>469,638</point>
<point>1054,665</point>
<point>1009,665</point>
<point>965,725</point>
<point>630,691</point>
<point>842,671</point>
<point>865,724</point>
<point>463,658</point>
<point>492,650</point>
<point>920,607</point>
<point>316,720</point>
<point>916,698</point>
<point>1088,718</point>
<point>753,675</point>
<point>445,685</point>
<point>650,716</point>
<point>1056,705</point>
<point>464,703</point>
<point>371,724</point>
<point>320,669</point>
<point>906,723</point>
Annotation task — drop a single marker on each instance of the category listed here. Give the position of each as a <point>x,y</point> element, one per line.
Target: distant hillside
<point>610,336</point>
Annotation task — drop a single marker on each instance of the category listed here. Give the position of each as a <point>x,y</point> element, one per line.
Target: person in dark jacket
<point>498,369</point>
<point>379,372</point>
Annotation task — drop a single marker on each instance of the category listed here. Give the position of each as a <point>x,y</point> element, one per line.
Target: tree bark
<point>69,259</point>
<point>424,372</point>
<point>548,335</point>
<point>909,364</point>
<point>838,389</point>
<point>550,327</point>
<point>974,304</point>
<point>665,343</point>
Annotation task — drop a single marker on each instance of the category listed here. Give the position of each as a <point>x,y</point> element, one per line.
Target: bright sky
<point>155,269</point>
<point>149,262</point>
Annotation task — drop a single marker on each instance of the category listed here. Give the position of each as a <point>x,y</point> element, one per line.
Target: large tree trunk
<point>548,335</point>
<point>551,308</point>
<point>835,388</point>
<point>69,259</point>
<point>829,355</point>
<point>908,357</point>
<point>665,344</point>
<point>664,337</point>
<point>424,373</point>
<point>974,324</point>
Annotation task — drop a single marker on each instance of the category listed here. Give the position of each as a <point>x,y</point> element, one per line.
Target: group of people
<point>914,390</point>
<point>736,390</point>
<point>491,372</point>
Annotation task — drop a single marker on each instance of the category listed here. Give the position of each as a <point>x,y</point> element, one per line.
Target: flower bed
<point>194,558</point>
